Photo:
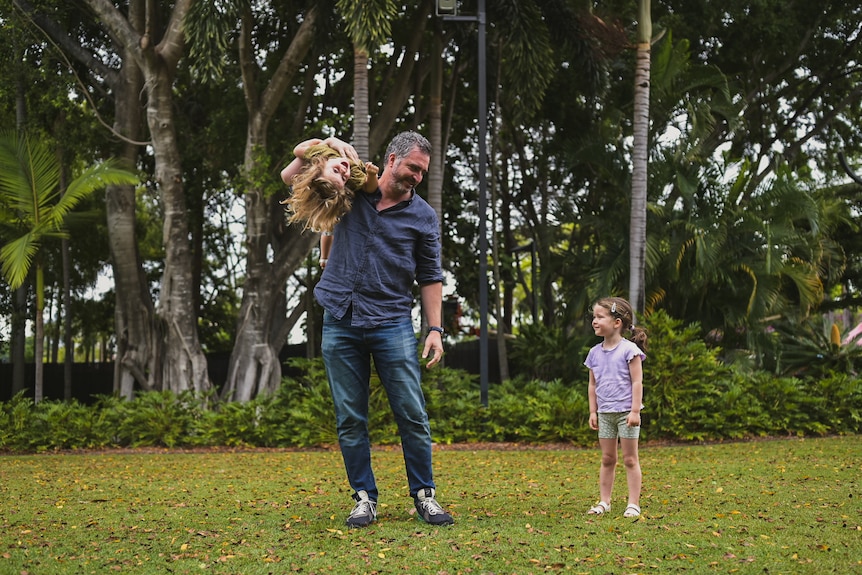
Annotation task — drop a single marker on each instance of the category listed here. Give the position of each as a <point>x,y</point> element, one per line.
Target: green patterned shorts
<point>613,425</point>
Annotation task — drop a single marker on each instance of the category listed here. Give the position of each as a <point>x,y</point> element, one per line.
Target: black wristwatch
<point>439,330</point>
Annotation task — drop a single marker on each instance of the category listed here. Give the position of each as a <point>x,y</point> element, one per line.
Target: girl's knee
<point>631,461</point>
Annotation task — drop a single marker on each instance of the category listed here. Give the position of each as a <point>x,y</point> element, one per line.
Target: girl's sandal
<point>600,508</point>
<point>632,510</point>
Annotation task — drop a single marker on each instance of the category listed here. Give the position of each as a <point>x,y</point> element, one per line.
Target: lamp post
<point>449,10</point>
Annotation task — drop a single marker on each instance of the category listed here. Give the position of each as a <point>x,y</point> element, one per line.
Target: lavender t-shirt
<point>613,379</point>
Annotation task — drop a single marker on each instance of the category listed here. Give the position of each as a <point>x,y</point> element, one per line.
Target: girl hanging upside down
<point>325,175</point>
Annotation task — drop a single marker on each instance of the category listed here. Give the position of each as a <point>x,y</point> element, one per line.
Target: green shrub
<point>689,394</point>
<point>549,353</point>
<point>683,381</point>
<point>789,404</point>
<point>736,413</point>
<point>70,425</point>
<point>259,422</point>
<point>307,405</point>
<point>842,397</point>
<point>15,420</point>
<point>159,419</point>
<point>453,401</point>
<point>534,411</point>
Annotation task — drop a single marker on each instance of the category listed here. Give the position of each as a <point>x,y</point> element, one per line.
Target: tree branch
<point>172,44</point>
<point>299,47</point>
<point>59,37</point>
<point>853,175</point>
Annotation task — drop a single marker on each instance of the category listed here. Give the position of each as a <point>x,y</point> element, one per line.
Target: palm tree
<point>368,25</point>
<point>30,196</point>
<point>637,229</point>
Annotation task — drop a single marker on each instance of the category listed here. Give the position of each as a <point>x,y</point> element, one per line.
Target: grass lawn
<point>766,507</point>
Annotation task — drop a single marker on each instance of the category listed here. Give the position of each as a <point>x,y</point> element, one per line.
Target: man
<point>386,242</point>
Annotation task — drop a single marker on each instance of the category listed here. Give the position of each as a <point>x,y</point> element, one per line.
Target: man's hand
<point>433,341</point>
<point>342,148</point>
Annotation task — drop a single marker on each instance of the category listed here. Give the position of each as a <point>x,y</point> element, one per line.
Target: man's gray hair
<point>405,142</point>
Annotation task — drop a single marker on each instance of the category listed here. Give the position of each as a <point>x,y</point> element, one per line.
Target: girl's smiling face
<point>605,324</point>
<point>337,171</point>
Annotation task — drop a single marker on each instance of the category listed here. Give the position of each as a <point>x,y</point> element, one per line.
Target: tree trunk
<point>360,104</point>
<point>435,170</point>
<point>18,345</point>
<point>637,229</point>
<point>137,346</point>
<point>19,338</point>
<point>497,293</point>
<point>52,343</point>
<point>183,365</point>
<point>64,309</point>
<point>435,123</point>
<point>138,350</point>
<point>312,346</point>
<point>67,322</point>
<point>39,336</point>
<point>254,367</point>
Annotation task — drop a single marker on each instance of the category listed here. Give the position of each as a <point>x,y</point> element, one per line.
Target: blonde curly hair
<point>316,201</point>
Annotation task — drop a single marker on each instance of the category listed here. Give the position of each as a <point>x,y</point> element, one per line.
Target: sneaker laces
<point>363,507</point>
<point>430,505</point>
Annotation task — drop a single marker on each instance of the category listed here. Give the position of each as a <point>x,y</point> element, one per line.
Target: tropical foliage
<point>37,204</point>
<point>751,222</point>
<point>690,395</point>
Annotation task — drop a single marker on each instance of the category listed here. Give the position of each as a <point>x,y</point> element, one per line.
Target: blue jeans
<point>347,355</point>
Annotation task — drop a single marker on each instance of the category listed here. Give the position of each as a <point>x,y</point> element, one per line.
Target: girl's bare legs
<point>633,469</point>
<point>606,472</point>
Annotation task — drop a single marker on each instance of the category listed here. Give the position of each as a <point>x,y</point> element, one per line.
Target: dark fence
<point>93,379</point>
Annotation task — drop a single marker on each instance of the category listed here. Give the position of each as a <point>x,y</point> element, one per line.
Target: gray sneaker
<point>429,510</point>
<point>364,512</point>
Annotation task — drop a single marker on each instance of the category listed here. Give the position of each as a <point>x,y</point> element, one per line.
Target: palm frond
<point>17,256</point>
<point>29,174</point>
<point>33,205</point>
<point>526,45</point>
<point>91,179</point>
<point>368,22</point>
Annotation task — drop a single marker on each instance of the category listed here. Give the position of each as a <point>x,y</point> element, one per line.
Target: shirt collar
<point>378,195</point>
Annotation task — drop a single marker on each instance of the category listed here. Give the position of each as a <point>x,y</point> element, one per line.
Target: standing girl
<point>616,392</point>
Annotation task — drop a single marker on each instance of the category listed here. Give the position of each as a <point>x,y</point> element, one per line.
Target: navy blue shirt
<point>376,257</point>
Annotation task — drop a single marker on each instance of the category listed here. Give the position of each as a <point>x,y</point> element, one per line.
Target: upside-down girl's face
<point>337,171</point>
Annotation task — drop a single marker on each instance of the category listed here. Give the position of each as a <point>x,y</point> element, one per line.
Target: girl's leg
<point>633,469</point>
<point>606,472</point>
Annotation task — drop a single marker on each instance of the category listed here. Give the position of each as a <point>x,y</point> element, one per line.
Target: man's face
<point>409,171</point>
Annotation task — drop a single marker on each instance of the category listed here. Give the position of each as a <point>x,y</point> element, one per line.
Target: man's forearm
<point>432,303</point>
